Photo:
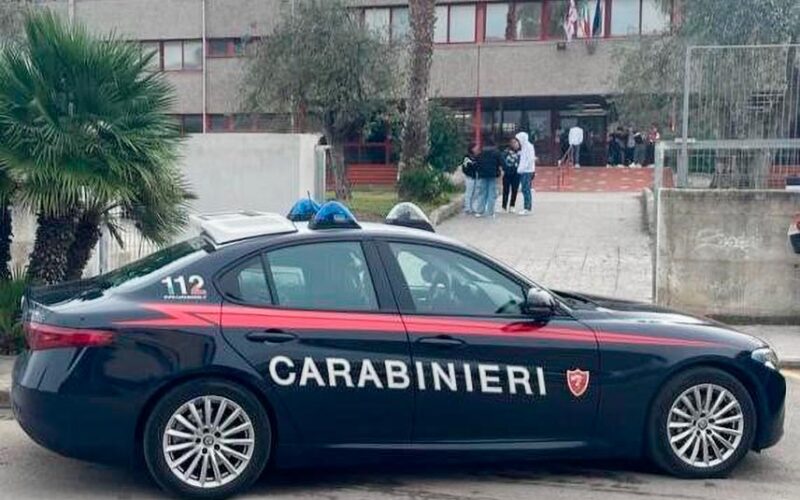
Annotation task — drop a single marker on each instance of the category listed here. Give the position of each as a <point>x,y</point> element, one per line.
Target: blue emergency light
<point>334,215</point>
<point>304,210</point>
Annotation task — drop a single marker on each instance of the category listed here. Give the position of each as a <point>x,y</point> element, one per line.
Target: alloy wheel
<point>705,425</point>
<point>208,441</point>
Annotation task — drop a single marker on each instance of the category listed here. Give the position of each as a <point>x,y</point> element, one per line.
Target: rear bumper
<point>71,422</point>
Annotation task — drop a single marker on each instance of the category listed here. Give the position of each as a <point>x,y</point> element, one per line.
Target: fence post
<point>321,163</point>
<point>683,163</point>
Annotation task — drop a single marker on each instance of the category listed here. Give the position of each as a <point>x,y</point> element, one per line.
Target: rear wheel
<point>207,439</point>
<point>702,424</point>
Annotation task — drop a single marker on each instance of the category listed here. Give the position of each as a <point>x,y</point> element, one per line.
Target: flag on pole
<point>571,21</point>
<point>597,25</point>
<point>585,22</point>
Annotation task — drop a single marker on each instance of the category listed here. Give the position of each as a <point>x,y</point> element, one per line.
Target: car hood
<point>603,313</point>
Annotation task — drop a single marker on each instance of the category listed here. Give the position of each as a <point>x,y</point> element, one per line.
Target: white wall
<point>266,172</point>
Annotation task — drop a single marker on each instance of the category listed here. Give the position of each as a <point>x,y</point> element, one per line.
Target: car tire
<point>709,441</point>
<point>230,443</point>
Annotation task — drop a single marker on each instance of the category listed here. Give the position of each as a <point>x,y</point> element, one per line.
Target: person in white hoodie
<point>526,171</point>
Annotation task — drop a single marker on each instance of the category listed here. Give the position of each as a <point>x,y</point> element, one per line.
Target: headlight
<point>767,357</point>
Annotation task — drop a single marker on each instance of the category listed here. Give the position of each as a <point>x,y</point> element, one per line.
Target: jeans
<point>487,196</point>
<point>575,154</point>
<point>510,187</point>
<point>526,180</point>
<point>469,194</point>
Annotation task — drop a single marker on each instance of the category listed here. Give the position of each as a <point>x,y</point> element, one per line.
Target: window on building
<point>440,26</point>
<point>497,21</point>
<point>192,55</point>
<point>173,55</point>
<point>527,19</point>
<point>218,123</point>
<point>400,24</point>
<point>189,124</point>
<point>218,47</point>
<point>654,18</point>
<point>625,17</point>
<point>462,23</point>
<point>378,21</point>
<point>557,13</point>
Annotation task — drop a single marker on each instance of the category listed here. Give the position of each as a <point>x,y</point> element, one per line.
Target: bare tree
<point>415,129</point>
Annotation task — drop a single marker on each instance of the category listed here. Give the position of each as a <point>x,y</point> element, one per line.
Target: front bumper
<point>68,419</point>
<point>771,408</point>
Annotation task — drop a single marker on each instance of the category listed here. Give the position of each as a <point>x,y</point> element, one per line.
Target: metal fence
<point>740,119</point>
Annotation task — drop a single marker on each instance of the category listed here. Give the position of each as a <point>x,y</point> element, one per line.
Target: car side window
<point>247,283</point>
<point>445,282</point>
<point>330,276</point>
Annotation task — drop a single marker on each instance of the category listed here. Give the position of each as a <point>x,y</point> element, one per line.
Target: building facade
<point>503,65</point>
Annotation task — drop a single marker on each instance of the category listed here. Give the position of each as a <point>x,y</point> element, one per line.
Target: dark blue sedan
<point>265,341</point>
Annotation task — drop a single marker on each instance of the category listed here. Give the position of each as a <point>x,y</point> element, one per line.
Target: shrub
<point>447,140</point>
<point>424,184</point>
<point>11,337</point>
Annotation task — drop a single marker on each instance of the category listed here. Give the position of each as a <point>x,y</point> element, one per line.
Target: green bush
<point>424,185</point>
<point>447,140</point>
<point>12,339</point>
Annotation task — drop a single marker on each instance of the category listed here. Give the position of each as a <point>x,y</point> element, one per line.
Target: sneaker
<point>478,215</point>
<point>523,212</point>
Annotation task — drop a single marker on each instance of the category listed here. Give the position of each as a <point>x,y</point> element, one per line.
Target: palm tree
<point>85,138</point>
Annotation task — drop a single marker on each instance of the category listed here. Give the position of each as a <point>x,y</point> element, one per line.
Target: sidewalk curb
<point>792,363</point>
<point>447,211</point>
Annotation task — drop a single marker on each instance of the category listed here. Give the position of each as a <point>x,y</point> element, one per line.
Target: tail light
<point>40,337</point>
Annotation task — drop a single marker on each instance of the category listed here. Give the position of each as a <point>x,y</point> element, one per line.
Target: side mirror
<point>539,303</point>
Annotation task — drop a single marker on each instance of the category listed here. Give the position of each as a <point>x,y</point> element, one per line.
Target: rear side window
<point>330,276</point>
<point>247,283</point>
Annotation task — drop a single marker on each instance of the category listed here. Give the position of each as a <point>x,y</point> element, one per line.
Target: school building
<point>504,65</point>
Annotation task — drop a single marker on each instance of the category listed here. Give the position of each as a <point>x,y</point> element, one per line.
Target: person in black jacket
<point>490,164</point>
<point>469,168</point>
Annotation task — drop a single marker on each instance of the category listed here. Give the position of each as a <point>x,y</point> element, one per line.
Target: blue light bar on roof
<point>304,210</point>
<point>334,215</point>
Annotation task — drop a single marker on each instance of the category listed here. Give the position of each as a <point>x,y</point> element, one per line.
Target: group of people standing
<point>631,148</point>
<point>482,166</point>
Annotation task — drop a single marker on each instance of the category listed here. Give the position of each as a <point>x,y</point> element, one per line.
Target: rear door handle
<point>443,341</point>
<point>271,336</point>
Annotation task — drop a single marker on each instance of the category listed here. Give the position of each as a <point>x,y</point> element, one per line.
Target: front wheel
<point>702,424</point>
<point>207,439</point>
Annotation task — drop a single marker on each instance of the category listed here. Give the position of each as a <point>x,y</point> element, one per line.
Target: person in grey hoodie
<point>526,170</point>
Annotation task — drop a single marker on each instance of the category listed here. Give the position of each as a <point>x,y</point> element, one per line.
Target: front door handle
<point>443,341</point>
<point>271,336</point>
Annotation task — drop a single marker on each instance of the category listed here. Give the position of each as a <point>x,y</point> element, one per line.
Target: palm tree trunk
<point>414,153</point>
<point>48,260</point>
<point>87,234</point>
<point>5,238</point>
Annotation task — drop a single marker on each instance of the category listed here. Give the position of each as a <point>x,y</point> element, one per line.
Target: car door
<point>309,317</point>
<point>486,371</point>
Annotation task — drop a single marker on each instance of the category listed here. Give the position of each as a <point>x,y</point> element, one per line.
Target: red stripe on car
<point>197,315</point>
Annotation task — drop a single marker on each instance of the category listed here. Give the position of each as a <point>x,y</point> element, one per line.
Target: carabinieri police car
<point>272,341</point>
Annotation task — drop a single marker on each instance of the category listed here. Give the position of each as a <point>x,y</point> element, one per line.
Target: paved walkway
<point>591,242</point>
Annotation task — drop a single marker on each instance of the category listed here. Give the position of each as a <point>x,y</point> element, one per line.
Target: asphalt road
<point>30,472</point>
